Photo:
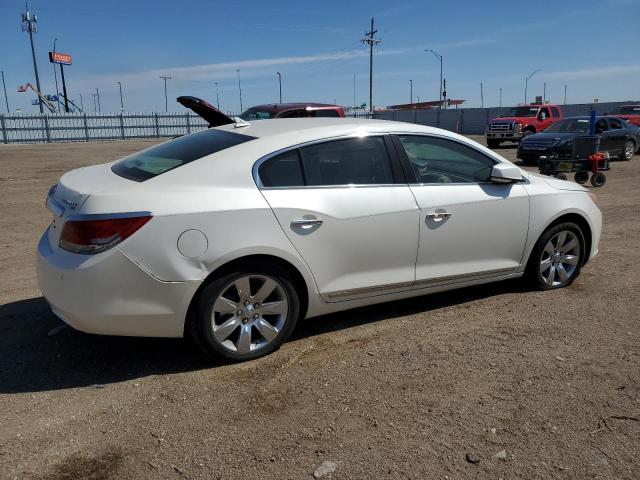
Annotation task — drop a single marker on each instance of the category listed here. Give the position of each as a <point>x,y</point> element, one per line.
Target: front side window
<point>353,161</point>
<point>437,160</point>
<point>166,156</point>
<point>256,114</point>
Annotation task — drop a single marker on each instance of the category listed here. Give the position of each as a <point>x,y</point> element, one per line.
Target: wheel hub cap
<point>560,258</point>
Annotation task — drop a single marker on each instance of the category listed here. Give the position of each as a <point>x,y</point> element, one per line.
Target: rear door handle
<point>438,216</point>
<point>306,224</point>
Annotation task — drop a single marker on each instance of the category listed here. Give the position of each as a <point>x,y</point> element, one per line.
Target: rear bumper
<point>109,294</point>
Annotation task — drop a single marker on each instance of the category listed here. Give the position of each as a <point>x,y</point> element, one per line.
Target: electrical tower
<point>29,25</point>
<point>369,40</point>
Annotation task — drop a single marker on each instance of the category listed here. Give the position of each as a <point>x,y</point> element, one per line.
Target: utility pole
<point>81,102</point>
<point>121,102</point>
<point>29,21</point>
<point>444,92</point>
<point>481,96</point>
<point>239,89</point>
<point>544,93</point>
<point>411,91</point>
<point>354,90</point>
<point>165,78</point>
<point>4,86</point>
<point>217,96</point>
<point>526,83</point>
<point>371,42</point>
<point>565,95</point>
<point>55,75</point>
<point>500,96</point>
<point>438,56</point>
<point>95,103</point>
<point>280,84</point>
<point>98,97</point>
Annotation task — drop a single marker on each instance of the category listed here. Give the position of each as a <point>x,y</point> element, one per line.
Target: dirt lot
<point>403,390</point>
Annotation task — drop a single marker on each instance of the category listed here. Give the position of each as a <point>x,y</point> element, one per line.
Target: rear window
<point>326,113</point>
<point>161,158</point>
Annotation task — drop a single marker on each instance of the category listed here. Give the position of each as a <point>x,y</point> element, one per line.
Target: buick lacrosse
<point>232,234</point>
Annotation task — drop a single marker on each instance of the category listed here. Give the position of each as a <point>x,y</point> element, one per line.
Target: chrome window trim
<point>261,160</point>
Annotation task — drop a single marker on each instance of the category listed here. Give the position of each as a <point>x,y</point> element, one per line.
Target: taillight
<point>95,236</point>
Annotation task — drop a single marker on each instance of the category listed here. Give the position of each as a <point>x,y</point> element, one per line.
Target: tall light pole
<point>544,93</point>
<point>481,96</point>
<point>4,86</point>
<point>81,103</point>
<point>280,85</point>
<point>565,95</point>
<point>368,39</point>
<point>354,90</point>
<point>239,89</point>
<point>98,97</point>
<point>121,102</point>
<point>500,96</point>
<point>29,21</point>
<point>411,91</point>
<point>439,57</point>
<point>166,104</point>
<point>526,83</point>
<point>55,75</point>
<point>217,96</point>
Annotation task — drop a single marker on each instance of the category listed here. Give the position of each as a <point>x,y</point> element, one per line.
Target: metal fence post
<point>4,130</point>
<point>157,125</point>
<point>121,126</point>
<point>86,127</point>
<point>188,125</point>
<point>46,128</point>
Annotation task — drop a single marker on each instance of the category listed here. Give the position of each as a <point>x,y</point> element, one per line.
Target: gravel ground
<point>530,385</point>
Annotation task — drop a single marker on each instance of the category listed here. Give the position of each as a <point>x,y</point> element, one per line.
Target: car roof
<point>280,107</point>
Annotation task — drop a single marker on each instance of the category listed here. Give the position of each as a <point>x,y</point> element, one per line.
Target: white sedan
<point>232,234</point>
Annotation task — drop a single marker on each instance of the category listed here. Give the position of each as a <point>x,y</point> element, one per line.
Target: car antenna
<point>239,123</point>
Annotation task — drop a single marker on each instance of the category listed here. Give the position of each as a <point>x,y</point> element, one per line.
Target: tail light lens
<point>95,236</point>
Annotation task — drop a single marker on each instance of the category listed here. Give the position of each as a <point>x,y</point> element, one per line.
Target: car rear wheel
<point>557,257</point>
<point>492,143</point>
<point>246,314</point>
<point>628,151</point>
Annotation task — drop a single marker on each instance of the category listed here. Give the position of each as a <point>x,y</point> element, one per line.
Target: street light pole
<point>411,91</point>
<point>165,78</point>
<point>526,83</point>
<point>438,56</point>
<point>29,21</point>
<point>98,97</point>
<point>121,102</point>
<point>4,86</point>
<point>239,89</point>
<point>217,96</point>
<point>280,85</point>
<point>565,95</point>
<point>500,90</point>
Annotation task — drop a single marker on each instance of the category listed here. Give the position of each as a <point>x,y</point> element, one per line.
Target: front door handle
<point>438,216</point>
<point>306,224</point>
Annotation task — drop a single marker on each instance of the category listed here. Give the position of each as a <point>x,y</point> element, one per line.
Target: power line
<point>166,104</point>
<point>369,40</point>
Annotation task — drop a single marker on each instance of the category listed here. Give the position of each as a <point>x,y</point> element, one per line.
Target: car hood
<point>556,182</point>
<point>548,137</point>
<point>211,114</point>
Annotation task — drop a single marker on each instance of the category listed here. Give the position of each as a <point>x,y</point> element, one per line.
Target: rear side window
<point>157,160</point>
<point>436,160</point>
<point>283,170</point>
<point>326,113</point>
<point>353,161</point>
<point>614,123</point>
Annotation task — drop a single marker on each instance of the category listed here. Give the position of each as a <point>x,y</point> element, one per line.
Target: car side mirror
<point>505,173</point>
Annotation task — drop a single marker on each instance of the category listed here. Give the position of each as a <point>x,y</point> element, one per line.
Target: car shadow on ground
<point>37,355</point>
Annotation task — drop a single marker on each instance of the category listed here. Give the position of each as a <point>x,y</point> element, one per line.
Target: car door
<point>470,228</point>
<point>602,130</point>
<point>348,211</point>
<point>616,135</point>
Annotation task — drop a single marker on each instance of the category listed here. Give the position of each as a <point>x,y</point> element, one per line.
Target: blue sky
<point>593,46</point>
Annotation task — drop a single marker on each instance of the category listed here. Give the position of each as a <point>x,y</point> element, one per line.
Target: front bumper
<point>504,135</point>
<point>109,294</point>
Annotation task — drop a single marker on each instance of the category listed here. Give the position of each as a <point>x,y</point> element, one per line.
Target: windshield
<point>571,125</point>
<point>256,114</point>
<point>523,112</point>
<point>166,156</point>
<point>628,110</point>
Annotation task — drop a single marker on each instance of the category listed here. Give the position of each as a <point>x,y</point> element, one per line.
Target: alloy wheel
<point>249,313</point>
<point>629,150</point>
<point>560,258</point>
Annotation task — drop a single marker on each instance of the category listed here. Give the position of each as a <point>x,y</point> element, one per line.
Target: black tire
<point>534,276</point>
<point>493,143</point>
<point>201,324</point>
<point>530,160</point>
<point>628,151</point>
<point>561,176</point>
<point>598,179</point>
<point>528,132</point>
<point>581,177</point>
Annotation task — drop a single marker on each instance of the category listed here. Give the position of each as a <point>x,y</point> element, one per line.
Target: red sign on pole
<point>62,58</point>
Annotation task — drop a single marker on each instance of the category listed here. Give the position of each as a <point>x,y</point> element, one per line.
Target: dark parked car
<point>617,137</point>
<point>291,110</point>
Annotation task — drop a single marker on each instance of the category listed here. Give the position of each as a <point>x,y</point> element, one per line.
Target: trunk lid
<point>211,114</point>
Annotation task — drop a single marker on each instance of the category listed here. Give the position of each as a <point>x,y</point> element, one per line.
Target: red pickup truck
<point>521,122</point>
<point>630,113</point>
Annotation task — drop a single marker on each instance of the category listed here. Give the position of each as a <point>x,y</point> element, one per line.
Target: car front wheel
<point>557,257</point>
<point>628,151</point>
<point>246,314</point>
